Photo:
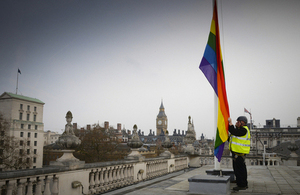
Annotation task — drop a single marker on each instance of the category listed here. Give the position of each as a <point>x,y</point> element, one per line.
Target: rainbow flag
<point>212,67</point>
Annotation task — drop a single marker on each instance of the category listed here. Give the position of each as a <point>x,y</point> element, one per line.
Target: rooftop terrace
<point>261,180</point>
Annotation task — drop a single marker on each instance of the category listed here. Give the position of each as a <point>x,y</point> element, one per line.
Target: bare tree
<point>14,153</point>
<point>99,145</point>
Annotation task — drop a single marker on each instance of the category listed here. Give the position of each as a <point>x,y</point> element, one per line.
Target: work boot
<point>240,188</point>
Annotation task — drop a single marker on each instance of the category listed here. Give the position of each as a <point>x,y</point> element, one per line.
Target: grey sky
<point>116,60</point>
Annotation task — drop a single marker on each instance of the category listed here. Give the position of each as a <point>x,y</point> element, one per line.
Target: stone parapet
<point>91,178</point>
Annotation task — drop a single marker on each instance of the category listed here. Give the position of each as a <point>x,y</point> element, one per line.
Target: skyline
<point>117,60</point>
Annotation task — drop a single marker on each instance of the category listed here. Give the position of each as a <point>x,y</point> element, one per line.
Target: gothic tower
<point>161,120</point>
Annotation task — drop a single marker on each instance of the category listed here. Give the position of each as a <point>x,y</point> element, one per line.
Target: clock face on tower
<point>159,122</point>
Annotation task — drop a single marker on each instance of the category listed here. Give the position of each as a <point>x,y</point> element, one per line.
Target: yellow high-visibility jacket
<point>240,144</point>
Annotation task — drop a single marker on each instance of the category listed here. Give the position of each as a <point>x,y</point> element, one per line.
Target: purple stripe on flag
<point>209,73</point>
<point>219,151</point>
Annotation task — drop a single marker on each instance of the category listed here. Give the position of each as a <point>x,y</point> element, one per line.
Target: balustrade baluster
<point>128,175</point>
<point>97,182</point>
<point>55,186</point>
<point>101,172</point>
<point>118,180</point>
<point>38,187</point>
<point>20,188</point>
<point>156,168</point>
<point>29,187</point>
<point>106,179</point>
<point>114,178</point>
<point>147,170</point>
<point>9,189</point>
<point>125,175</point>
<point>121,176</point>
<point>150,169</point>
<point>92,182</point>
<point>132,174</point>
<point>110,179</point>
<point>47,186</point>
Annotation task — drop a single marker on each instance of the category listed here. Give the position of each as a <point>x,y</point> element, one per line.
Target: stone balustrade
<point>93,178</point>
<point>38,184</point>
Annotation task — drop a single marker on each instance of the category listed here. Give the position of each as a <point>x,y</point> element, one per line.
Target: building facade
<point>25,117</point>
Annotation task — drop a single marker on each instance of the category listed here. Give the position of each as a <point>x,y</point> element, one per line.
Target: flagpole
<point>17,82</point>
<point>216,162</point>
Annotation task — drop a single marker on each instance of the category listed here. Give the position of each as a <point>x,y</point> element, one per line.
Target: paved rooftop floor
<point>262,180</point>
<point>273,180</point>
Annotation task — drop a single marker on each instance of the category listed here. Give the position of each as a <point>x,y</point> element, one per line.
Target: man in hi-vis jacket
<point>239,145</point>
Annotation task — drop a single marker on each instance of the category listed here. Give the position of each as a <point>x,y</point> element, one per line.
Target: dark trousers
<point>240,170</point>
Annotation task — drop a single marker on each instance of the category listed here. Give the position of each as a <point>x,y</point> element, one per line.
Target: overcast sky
<point>117,60</point>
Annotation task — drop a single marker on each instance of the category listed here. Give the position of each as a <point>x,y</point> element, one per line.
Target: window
<point>29,126</point>
<point>20,161</point>
<point>35,127</point>
<point>35,109</point>
<point>21,134</point>
<point>28,151</point>
<point>34,151</point>
<point>35,135</point>
<point>28,135</point>
<point>35,143</point>
<point>34,160</point>
<point>28,117</point>
<point>22,126</point>
<point>20,116</point>
<point>21,106</point>
<point>34,118</point>
<point>34,167</point>
<point>1,143</point>
<point>28,107</point>
<point>28,143</point>
<point>27,160</point>
<point>2,133</point>
<point>265,142</point>
<point>1,151</point>
<point>21,151</point>
<point>21,142</point>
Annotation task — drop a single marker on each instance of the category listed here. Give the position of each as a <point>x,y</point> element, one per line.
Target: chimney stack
<point>119,127</point>
<point>74,126</point>
<point>106,125</point>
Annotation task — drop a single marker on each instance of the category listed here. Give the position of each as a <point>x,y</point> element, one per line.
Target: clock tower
<point>161,120</point>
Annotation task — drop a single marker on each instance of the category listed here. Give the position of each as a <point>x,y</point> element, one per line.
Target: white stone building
<point>25,115</point>
<point>50,137</point>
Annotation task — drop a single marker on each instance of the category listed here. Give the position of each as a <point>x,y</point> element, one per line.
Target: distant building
<point>151,138</point>
<point>50,137</point>
<point>273,135</point>
<point>272,123</point>
<point>25,115</point>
